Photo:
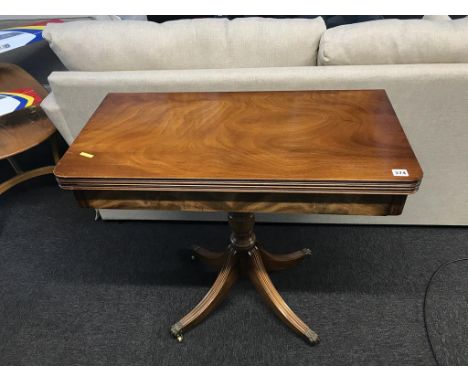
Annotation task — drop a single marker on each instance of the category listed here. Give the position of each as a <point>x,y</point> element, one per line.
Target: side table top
<point>23,129</point>
<point>287,142</point>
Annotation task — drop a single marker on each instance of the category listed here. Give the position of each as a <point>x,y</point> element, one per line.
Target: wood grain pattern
<point>344,204</point>
<point>306,141</point>
<point>13,77</point>
<point>21,130</point>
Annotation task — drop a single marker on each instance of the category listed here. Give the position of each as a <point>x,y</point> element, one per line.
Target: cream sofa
<point>37,59</point>
<point>422,64</point>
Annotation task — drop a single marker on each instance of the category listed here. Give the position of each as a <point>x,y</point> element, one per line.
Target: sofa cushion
<point>186,44</point>
<point>395,42</point>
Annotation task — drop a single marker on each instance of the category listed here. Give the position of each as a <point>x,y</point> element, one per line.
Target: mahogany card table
<point>317,152</point>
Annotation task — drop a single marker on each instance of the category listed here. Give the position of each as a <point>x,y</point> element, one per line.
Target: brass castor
<point>176,332</point>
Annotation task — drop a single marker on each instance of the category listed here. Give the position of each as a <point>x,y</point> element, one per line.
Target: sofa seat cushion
<point>186,44</point>
<point>396,42</point>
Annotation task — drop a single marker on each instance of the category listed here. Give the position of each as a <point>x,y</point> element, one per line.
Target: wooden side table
<point>23,129</point>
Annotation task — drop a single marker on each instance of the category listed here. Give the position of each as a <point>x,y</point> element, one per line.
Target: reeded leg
<point>226,278</point>
<point>259,276</point>
<point>280,262</point>
<point>210,258</point>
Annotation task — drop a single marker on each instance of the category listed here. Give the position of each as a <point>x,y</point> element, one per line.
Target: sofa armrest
<point>52,110</point>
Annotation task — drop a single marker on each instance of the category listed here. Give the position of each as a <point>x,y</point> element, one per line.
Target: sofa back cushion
<point>396,42</point>
<point>186,44</point>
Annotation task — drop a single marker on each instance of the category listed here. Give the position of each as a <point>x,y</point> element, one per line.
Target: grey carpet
<point>447,314</point>
<point>79,292</point>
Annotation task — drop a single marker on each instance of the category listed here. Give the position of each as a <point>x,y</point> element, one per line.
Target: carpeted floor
<point>79,292</point>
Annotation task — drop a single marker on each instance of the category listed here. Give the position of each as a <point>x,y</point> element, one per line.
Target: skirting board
<point>117,214</point>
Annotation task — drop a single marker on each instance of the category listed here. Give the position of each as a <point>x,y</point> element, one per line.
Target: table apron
<point>343,204</point>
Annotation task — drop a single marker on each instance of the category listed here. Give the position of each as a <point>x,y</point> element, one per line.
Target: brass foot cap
<point>176,331</point>
<point>312,337</point>
<point>195,248</point>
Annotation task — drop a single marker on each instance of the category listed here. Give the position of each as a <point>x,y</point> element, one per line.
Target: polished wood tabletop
<point>275,142</point>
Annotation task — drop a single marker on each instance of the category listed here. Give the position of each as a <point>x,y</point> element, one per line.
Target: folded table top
<point>288,142</point>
